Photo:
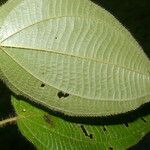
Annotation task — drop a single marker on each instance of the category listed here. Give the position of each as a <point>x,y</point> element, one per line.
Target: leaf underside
<point>47,131</point>
<point>73,47</point>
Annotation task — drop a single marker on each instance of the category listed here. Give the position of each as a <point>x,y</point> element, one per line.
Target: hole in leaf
<point>104,128</point>
<point>126,124</point>
<point>42,85</point>
<point>91,136</point>
<point>143,119</point>
<point>110,148</point>
<point>62,94</point>
<point>86,132</point>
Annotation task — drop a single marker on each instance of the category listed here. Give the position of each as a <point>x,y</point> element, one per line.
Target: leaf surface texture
<point>47,131</point>
<point>74,47</point>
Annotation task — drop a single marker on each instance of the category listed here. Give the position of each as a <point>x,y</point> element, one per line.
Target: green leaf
<point>74,57</point>
<point>47,131</point>
<point>6,8</point>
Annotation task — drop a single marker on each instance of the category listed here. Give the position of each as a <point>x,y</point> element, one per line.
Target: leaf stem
<point>8,121</point>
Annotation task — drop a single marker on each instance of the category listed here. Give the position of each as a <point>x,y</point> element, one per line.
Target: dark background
<point>135,16</point>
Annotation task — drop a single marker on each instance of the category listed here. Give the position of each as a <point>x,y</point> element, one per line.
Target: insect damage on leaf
<point>47,118</point>
<point>62,94</point>
<point>110,148</point>
<point>95,59</point>
<point>104,128</point>
<point>84,130</point>
<point>143,119</point>
<point>42,85</point>
<point>126,124</point>
<point>76,135</point>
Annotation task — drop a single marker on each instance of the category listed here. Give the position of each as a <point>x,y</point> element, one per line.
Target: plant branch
<point>8,121</point>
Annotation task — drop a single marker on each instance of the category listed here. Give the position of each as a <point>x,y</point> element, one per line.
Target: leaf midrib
<point>52,51</point>
<point>76,56</point>
<point>56,87</point>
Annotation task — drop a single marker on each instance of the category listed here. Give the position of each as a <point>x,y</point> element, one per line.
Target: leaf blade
<point>53,132</point>
<point>74,52</point>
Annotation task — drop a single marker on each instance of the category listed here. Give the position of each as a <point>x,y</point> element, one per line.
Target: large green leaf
<point>49,132</point>
<point>73,56</point>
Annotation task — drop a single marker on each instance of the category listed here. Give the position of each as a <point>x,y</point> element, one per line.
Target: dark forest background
<point>135,16</point>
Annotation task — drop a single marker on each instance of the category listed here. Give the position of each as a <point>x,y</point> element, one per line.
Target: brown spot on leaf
<point>48,119</point>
